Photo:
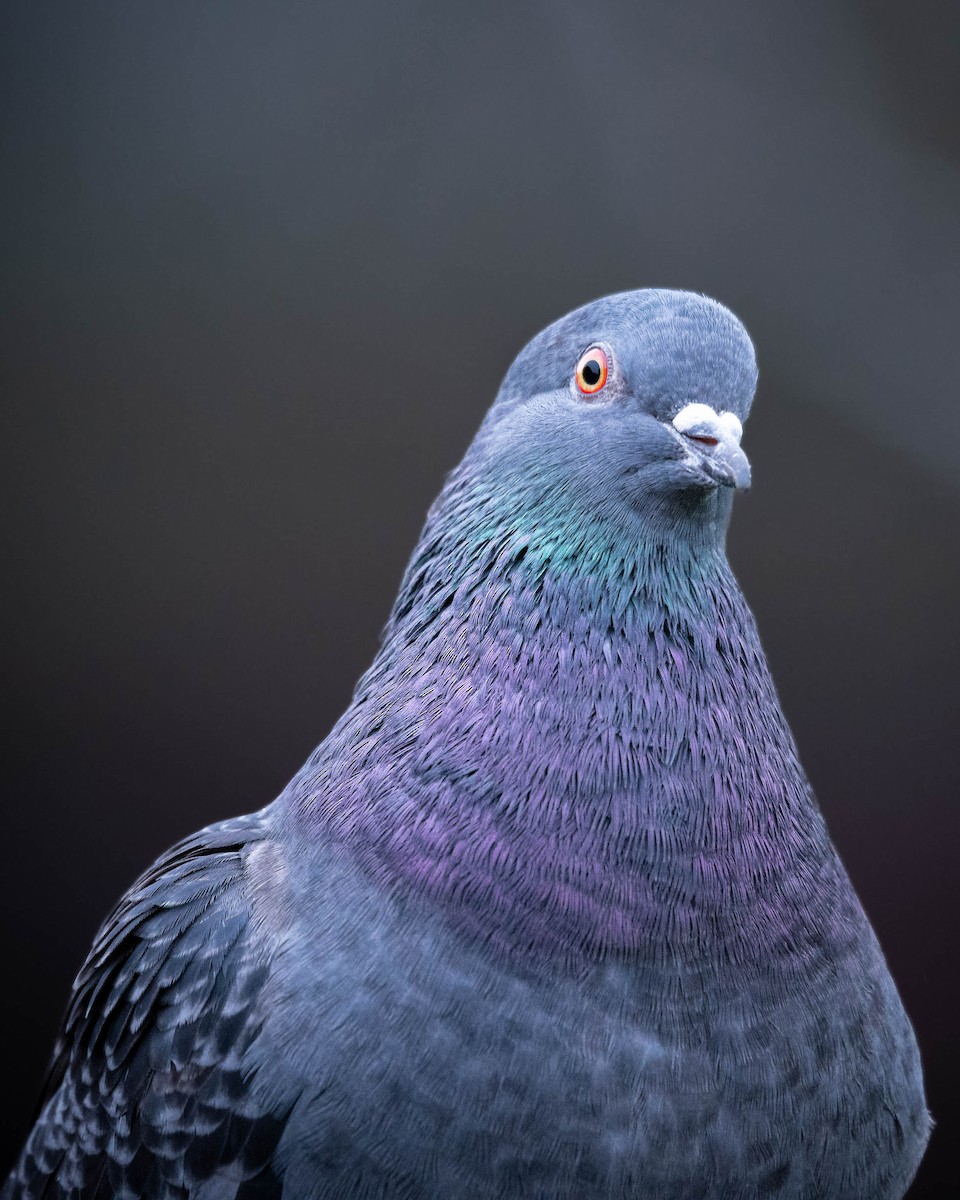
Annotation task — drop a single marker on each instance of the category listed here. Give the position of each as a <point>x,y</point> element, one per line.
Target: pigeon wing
<point>147,1096</point>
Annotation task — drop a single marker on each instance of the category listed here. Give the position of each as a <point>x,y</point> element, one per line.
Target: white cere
<point>701,418</point>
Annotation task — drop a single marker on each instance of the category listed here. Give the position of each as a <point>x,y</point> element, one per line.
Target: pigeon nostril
<point>703,439</point>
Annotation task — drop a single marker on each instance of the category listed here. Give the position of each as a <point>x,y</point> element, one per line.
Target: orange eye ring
<point>592,370</point>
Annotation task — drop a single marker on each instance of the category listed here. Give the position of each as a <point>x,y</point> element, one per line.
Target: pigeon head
<point>626,413</point>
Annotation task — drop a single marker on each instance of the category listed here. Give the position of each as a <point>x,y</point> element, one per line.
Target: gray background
<point>264,265</point>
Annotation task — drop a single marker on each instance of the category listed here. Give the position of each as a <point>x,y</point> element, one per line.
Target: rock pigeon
<point>552,912</point>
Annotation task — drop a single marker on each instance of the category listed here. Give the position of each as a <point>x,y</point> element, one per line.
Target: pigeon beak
<point>713,441</point>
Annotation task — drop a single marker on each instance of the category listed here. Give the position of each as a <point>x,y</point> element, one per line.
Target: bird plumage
<point>552,912</point>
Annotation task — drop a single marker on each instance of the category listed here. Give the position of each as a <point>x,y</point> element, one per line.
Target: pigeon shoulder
<point>148,1093</point>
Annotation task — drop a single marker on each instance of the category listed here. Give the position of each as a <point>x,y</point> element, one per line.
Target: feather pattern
<point>146,1095</point>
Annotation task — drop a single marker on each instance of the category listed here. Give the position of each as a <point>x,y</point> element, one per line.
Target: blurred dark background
<point>264,265</point>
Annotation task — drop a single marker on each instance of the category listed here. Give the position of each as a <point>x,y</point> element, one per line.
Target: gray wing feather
<point>147,1096</point>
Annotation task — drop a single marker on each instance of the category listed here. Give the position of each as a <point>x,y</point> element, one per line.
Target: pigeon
<point>552,912</point>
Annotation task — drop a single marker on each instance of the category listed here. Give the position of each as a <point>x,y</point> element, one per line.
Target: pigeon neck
<point>549,749</point>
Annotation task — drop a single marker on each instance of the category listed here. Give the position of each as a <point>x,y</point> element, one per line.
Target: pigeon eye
<point>591,373</point>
